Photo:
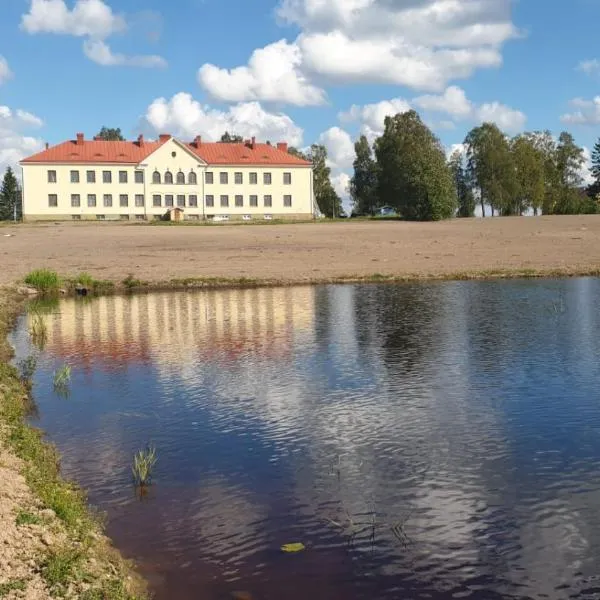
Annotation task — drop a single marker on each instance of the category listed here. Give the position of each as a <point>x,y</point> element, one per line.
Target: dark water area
<point>422,441</point>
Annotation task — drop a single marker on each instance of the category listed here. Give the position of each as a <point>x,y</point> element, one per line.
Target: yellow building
<point>143,180</point>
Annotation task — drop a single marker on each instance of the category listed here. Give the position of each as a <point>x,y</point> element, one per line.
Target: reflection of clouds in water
<point>417,394</point>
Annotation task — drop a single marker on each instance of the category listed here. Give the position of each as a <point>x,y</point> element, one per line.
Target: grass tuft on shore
<point>43,280</point>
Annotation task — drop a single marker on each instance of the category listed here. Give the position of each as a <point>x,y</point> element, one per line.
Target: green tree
<point>413,175</point>
<point>530,174</point>
<point>464,191</point>
<point>231,138</point>
<point>569,161</point>
<point>363,185</point>
<point>10,197</point>
<point>490,167</point>
<point>328,201</point>
<point>111,134</point>
<point>295,152</point>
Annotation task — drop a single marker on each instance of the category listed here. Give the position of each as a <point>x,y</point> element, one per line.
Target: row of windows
<point>90,177</point>
<point>223,200</point>
<point>180,179</point>
<point>170,200</point>
<point>223,178</point>
<point>252,177</point>
<point>107,200</point>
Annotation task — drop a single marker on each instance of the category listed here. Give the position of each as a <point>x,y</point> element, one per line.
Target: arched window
<point>192,179</point>
<point>156,177</point>
<point>180,178</point>
<point>168,177</point>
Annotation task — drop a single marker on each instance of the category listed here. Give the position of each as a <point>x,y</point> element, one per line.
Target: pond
<point>421,441</point>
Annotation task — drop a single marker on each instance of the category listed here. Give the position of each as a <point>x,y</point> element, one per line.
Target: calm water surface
<point>423,441</point>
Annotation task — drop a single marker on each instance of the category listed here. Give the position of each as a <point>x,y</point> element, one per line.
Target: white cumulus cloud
<point>371,116</point>
<point>5,72</point>
<point>587,112</point>
<point>340,147</point>
<point>590,67</point>
<point>185,117</point>
<point>422,44</point>
<point>273,74</point>
<point>100,52</point>
<point>92,19</point>
<point>15,144</point>
<point>453,101</point>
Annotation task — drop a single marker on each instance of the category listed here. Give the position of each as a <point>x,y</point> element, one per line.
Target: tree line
<point>406,169</point>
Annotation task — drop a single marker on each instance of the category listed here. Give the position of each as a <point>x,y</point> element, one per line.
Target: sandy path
<point>302,251</point>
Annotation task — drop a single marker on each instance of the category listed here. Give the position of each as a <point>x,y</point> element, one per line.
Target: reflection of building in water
<point>176,328</point>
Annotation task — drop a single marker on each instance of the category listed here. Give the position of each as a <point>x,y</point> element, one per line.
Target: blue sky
<point>295,70</point>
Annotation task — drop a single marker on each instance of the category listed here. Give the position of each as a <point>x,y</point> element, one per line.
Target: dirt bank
<point>304,252</point>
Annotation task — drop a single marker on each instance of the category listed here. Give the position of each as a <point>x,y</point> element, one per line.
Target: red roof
<point>213,153</point>
<point>95,152</point>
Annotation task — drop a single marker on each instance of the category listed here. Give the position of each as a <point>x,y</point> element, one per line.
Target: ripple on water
<point>422,441</point>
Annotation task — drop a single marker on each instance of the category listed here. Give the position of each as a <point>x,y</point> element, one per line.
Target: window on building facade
<point>139,176</point>
<point>168,177</point>
<point>267,178</point>
<point>253,200</point>
<point>122,176</point>
<point>224,200</point>
<point>180,200</point>
<point>100,217</point>
<point>52,200</point>
<point>140,217</point>
<point>74,176</point>
<point>209,177</point>
<point>107,199</point>
<point>51,176</point>
<point>156,177</point>
<point>181,178</point>
<point>268,201</point>
<point>168,200</point>
<point>156,200</point>
<point>193,200</point>
<point>124,217</point>
<point>287,200</point>
<point>239,178</point>
<point>139,200</point>
<point>210,201</point>
<point>287,179</point>
<point>223,177</point>
<point>75,200</point>
<point>106,177</point>
<point>253,178</point>
<point>91,176</point>
<point>239,200</point>
<point>76,217</point>
<point>91,199</point>
<point>192,178</point>
<point>123,200</point>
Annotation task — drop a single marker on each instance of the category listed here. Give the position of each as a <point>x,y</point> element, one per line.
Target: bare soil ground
<point>304,251</point>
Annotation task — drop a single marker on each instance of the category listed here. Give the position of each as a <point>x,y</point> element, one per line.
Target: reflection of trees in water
<point>400,321</point>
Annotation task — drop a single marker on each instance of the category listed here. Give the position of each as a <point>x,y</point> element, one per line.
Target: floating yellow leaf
<point>295,547</point>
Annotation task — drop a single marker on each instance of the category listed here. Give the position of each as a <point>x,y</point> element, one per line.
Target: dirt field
<point>302,252</point>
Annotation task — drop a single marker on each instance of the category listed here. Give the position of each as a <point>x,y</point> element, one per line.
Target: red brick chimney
<point>198,141</point>
<point>80,139</point>
<point>141,140</point>
<point>253,143</point>
<point>47,145</point>
<point>163,137</point>
<point>282,146</point>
